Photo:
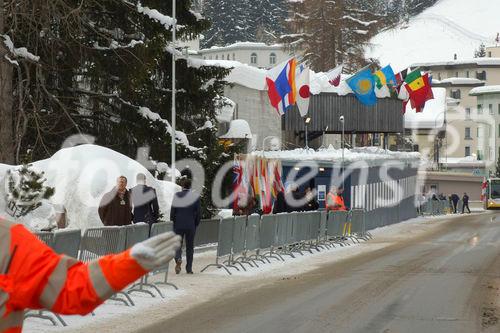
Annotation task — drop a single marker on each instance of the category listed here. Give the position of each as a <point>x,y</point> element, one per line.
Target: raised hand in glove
<point>157,251</point>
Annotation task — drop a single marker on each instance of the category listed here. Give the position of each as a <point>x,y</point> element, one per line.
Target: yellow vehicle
<point>492,195</point>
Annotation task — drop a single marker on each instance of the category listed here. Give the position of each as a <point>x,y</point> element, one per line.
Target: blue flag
<point>363,86</point>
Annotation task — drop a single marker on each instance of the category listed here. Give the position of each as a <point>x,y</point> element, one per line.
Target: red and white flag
<point>303,82</point>
<point>483,189</point>
<point>334,75</point>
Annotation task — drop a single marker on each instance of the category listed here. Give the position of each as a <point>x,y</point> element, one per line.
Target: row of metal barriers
<point>439,207</point>
<point>98,242</point>
<point>245,242</point>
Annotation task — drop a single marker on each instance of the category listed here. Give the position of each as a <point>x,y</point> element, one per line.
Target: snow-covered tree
<point>480,52</point>
<point>26,190</point>
<point>332,32</point>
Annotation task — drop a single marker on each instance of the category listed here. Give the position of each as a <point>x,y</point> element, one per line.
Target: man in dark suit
<point>144,201</point>
<point>186,215</point>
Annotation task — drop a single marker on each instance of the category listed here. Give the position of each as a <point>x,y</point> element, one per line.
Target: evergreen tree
<point>497,171</point>
<point>104,69</point>
<point>332,32</point>
<point>480,52</point>
<point>26,190</point>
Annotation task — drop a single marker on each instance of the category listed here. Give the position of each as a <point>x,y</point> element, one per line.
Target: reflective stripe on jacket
<point>39,278</point>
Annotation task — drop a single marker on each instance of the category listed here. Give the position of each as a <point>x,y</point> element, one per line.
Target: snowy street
<point>381,283</point>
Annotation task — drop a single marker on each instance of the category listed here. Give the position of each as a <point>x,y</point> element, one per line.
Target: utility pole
<point>174,44</point>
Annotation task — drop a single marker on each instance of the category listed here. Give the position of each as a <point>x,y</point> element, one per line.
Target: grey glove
<point>157,251</point>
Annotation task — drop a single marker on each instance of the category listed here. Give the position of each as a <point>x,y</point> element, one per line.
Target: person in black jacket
<point>144,201</point>
<point>465,199</point>
<point>186,215</point>
<point>454,200</point>
<point>280,203</point>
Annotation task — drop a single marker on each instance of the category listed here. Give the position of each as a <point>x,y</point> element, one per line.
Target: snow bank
<point>81,175</point>
<point>485,90</point>
<point>334,155</point>
<point>449,27</point>
<point>433,115</point>
<point>238,129</point>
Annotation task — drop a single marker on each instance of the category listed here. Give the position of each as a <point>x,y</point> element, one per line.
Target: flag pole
<point>174,42</point>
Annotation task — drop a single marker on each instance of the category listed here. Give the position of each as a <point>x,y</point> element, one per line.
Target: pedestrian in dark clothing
<point>144,201</point>
<point>465,200</point>
<point>454,200</point>
<point>280,203</point>
<point>312,204</point>
<point>115,208</point>
<point>435,197</point>
<point>186,215</point>
<point>293,204</point>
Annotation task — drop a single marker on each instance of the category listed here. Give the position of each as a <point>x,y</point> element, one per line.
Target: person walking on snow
<point>33,276</point>
<point>144,201</point>
<point>186,216</point>
<point>454,200</point>
<point>115,208</point>
<point>465,200</point>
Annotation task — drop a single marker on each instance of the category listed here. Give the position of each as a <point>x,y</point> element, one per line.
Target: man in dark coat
<point>454,200</point>
<point>280,203</point>
<point>115,208</point>
<point>465,199</point>
<point>144,201</point>
<point>186,215</point>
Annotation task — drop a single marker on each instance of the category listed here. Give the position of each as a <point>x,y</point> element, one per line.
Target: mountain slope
<point>449,27</point>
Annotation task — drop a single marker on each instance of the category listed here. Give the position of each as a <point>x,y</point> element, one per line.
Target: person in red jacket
<point>33,276</point>
<point>334,200</point>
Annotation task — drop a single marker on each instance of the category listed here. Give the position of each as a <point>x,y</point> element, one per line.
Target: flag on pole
<point>281,86</point>
<point>363,85</point>
<point>385,77</point>
<point>483,189</point>
<point>303,82</point>
<point>419,89</point>
<point>334,75</point>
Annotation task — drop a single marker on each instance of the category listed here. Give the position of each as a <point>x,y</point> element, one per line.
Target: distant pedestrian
<point>465,200</point>
<point>454,200</point>
<point>115,208</point>
<point>294,199</point>
<point>186,216</point>
<point>334,200</point>
<point>312,204</point>
<point>144,202</point>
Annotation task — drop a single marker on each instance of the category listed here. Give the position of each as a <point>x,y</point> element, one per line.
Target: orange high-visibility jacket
<point>32,276</point>
<point>335,202</point>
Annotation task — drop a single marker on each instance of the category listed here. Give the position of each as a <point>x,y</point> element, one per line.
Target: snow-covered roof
<point>459,81</point>
<point>485,90</point>
<point>433,115</point>
<point>243,45</point>
<point>367,154</point>
<point>468,61</point>
<point>449,27</point>
<point>238,129</point>
<point>470,161</point>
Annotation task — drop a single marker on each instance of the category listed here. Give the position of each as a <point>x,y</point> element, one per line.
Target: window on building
<point>480,155</point>
<point>439,76</point>
<point>216,57</point>
<point>489,54</point>
<point>228,57</point>
<point>253,58</point>
<point>467,74</point>
<point>499,109</point>
<point>467,113</point>
<point>456,74</point>
<point>490,108</point>
<point>272,59</point>
<point>479,109</point>
<point>467,133</point>
<point>204,57</point>
<point>479,132</point>
<point>467,151</point>
<point>234,56</point>
<point>456,94</point>
<point>499,130</point>
<point>222,57</point>
<point>481,75</point>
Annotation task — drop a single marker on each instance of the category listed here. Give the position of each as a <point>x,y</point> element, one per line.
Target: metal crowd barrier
<point>157,229</point>
<point>275,236</point>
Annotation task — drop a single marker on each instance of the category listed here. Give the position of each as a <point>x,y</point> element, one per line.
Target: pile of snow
<point>449,27</point>
<point>224,111</point>
<point>238,129</point>
<point>367,154</point>
<point>485,90</point>
<point>81,176</point>
<point>433,115</point>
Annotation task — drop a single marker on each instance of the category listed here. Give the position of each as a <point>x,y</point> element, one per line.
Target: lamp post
<point>307,121</point>
<point>342,142</point>
<point>174,42</point>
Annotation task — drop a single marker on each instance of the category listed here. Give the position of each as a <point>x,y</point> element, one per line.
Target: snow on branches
<point>19,52</point>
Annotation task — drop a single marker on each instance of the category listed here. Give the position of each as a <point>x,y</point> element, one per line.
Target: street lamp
<point>342,121</point>
<point>307,121</point>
